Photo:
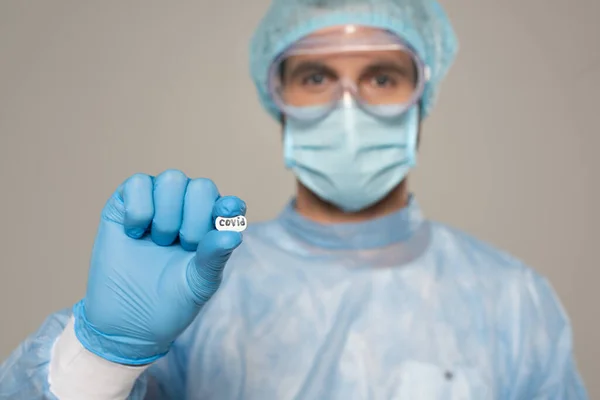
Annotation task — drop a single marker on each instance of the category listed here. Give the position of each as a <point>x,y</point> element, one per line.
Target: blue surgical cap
<point>423,24</point>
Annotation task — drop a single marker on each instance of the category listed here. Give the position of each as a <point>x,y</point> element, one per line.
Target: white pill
<point>236,224</point>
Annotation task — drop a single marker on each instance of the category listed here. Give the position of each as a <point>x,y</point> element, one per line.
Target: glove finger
<point>200,198</point>
<point>169,192</point>
<point>229,206</point>
<point>205,271</point>
<point>138,208</point>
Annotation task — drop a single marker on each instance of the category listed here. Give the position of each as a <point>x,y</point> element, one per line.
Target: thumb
<point>205,270</point>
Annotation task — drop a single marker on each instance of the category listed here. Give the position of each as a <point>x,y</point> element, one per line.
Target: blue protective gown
<point>394,308</point>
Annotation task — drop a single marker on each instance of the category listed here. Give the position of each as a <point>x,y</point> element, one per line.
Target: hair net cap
<point>421,23</point>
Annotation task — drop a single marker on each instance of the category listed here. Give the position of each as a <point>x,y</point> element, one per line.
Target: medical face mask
<point>351,158</point>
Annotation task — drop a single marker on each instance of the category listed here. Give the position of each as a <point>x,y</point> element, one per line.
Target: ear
<point>282,122</point>
<point>282,125</point>
<point>420,125</point>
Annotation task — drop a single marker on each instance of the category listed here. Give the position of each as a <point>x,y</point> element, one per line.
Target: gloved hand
<point>156,261</point>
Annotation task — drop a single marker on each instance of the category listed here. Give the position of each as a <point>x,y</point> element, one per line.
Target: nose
<point>347,98</point>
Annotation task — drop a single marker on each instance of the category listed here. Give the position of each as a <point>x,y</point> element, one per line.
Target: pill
<point>236,224</point>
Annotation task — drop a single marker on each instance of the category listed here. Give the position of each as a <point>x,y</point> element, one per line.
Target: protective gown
<point>394,308</point>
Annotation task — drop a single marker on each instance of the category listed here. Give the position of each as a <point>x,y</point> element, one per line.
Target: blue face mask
<point>351,158</point>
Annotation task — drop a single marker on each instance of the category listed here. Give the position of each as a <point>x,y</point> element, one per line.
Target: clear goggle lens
<point>374,67</point>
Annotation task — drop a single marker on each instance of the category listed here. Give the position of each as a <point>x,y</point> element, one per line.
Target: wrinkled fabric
<point>24,375</point>
<point>393,308</point>
<point>422,23</point>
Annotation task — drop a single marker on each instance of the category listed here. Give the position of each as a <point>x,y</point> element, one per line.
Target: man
<point>349,293</point>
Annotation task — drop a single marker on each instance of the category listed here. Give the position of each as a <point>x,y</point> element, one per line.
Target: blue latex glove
<point>156,260</point>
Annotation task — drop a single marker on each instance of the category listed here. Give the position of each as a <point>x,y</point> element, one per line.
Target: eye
<point>383,81</point>
<point>314,79</point>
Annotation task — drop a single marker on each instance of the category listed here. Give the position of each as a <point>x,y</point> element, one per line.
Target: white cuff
<point>75,373</point>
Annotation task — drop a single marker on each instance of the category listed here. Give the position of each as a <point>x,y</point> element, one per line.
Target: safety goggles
<point>371,67</point>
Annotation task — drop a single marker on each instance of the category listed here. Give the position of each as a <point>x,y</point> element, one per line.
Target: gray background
<point>91,92</point>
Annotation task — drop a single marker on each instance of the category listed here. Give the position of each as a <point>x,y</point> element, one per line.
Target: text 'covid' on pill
<point>235,224</point>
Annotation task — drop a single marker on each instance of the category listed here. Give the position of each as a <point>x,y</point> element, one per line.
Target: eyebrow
<point>397,66</point>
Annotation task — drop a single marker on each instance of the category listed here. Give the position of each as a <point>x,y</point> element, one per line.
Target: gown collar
<point>378,232</point>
